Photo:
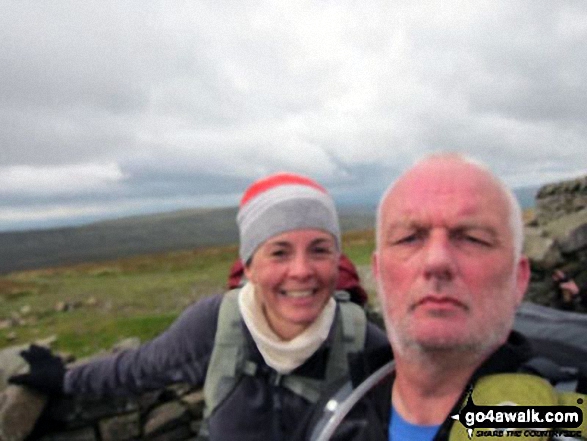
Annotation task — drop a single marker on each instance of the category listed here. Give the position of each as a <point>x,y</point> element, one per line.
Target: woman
<point>263,353</point>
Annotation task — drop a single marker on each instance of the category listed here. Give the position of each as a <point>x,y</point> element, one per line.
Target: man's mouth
<point>441,302</point>
<point>297,294</point>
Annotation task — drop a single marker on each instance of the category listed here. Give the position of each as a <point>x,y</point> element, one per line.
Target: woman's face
<point>294,275</point>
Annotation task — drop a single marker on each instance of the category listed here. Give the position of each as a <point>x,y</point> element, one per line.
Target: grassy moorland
<point>91,306</point>
<point>135,236</point>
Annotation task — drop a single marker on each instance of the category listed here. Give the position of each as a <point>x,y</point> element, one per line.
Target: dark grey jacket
<point>369,419</point>
<point>257,409</point>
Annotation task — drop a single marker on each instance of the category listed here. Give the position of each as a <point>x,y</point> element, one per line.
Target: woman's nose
<point>300,266</point>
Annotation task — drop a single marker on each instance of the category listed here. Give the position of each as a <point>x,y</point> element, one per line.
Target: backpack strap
<point>228,351</point>
<point>562,377</point>
<point>227,362</point>
<point>349,337</point>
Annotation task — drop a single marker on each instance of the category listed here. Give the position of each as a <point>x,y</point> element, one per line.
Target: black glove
<point>47,371</point>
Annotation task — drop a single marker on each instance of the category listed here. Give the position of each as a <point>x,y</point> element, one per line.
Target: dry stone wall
<point>557,237</point>
<point>560,199</point>
<point>170,414</point>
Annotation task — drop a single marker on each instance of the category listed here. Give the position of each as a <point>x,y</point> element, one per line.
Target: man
<point>450,276</point>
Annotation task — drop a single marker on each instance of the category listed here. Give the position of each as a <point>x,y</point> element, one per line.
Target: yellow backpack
<point>521,389</point>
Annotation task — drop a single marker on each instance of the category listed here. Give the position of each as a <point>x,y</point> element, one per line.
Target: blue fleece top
<point>402,430</point>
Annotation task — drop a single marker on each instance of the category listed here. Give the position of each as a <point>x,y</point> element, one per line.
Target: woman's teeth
<point>297,294</point>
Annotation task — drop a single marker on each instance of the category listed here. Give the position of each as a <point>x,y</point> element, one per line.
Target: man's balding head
<point>448,264</point>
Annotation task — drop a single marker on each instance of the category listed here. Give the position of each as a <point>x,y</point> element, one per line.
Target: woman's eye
<point>278,253</point>
<point>322,250</point>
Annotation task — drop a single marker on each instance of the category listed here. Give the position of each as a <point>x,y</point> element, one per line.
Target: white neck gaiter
<point>283,356</point>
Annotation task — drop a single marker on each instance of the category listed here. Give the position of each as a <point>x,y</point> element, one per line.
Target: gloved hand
<point>46,374</point>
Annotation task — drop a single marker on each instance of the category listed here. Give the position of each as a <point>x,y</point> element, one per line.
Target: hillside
<point>90,306</point>
<point>132,236</point>
<point>136,235</point>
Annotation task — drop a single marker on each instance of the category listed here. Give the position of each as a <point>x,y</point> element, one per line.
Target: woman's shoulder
<point>202,314</point>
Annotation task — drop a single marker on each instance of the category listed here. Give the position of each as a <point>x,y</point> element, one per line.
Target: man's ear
<point>522,278</point>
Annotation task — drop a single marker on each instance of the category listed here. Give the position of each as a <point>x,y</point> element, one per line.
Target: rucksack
<point>556,334</point>
<point>228,362</point>
<point>559,342</point>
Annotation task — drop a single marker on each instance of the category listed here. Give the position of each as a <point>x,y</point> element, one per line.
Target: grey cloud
<point>196,99</point>
<point>38,137</point>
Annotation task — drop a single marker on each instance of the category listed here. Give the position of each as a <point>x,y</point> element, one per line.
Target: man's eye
<point>477,240</point>
<point>278,253</point>
<point>407,239</point>
<point>473,239</point>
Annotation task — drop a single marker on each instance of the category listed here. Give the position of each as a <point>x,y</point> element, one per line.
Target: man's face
<point>294,275</point>
<point>445,265</point>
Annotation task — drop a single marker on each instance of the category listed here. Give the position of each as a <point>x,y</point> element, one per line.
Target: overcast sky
<point>110,108</point>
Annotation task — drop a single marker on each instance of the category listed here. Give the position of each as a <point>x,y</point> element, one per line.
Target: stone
<point>46,341</point>
<point>120,428</point>
<point>150,399</point>
<point>19,410</point>
<point>11,363</point>
<point>166,416</point>
<point>541,249</point>
<point>570,231</point>
<point>560,199</point>
<point>126,343</point>
<point>194,402</point>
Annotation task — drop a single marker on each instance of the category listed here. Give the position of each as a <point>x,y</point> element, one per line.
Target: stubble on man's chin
<point>451,349</point>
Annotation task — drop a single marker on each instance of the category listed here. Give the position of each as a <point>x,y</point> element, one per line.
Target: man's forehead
<point>443,175</point>
<point>466,214</point>
<point>452,191</point>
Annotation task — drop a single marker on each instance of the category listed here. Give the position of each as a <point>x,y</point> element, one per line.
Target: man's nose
<point>439,261</point>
